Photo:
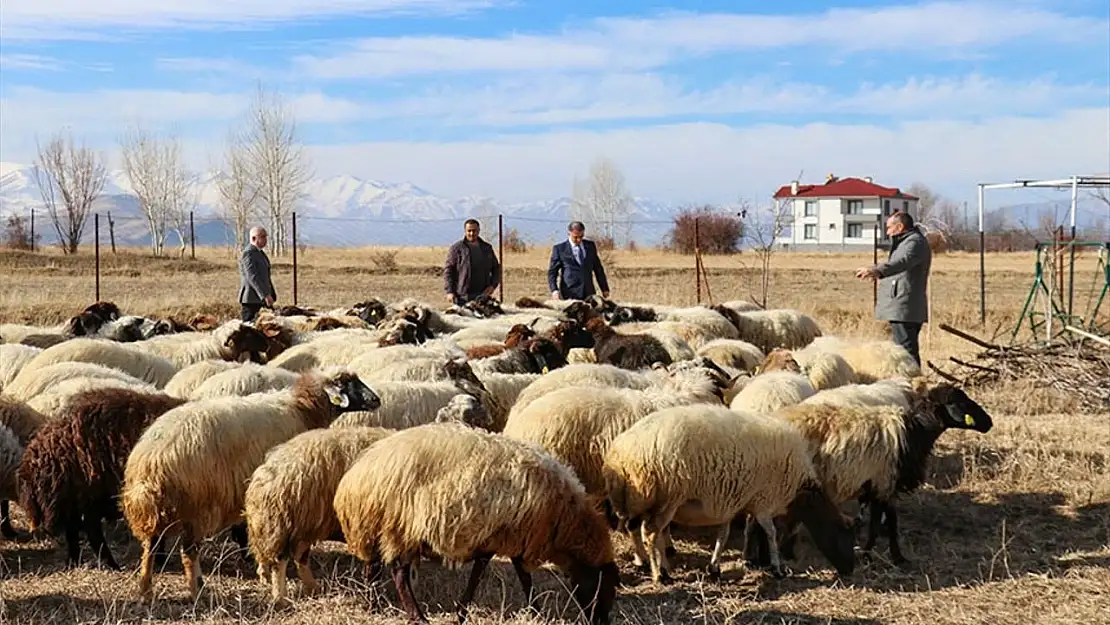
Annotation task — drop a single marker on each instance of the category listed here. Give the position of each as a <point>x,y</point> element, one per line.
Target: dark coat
<point>905,277</point>
<point>254,277</point>
<point>458,280</point>
<point>576,281</point>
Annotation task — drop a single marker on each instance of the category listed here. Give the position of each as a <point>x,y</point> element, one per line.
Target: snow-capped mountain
<point>341,210</point>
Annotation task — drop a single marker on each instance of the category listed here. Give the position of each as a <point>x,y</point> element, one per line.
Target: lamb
<point>732,353</point>
<point>233,340</point>
<point>668,468</point>
<point>70,475</point>
<point>244,380</point>
<point>873,453</point>
<point>188,472</point>
<point>780,327</point>
<point>472,495</point>
<point>627,351</point>
<point>288,503</point>
<point>12,360</point>
<point>33,383</point>
<point>184,382</point>
<point>871,360</point>
<point>767,392</point>
<point>126,357</point>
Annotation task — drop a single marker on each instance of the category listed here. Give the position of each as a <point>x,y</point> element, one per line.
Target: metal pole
<point>192,236</point>
<point>294,258</point>
<point>501,255</point>
<point>982,266</point>
<point>875,260</point>
<point>32,230</point>
<point>697,262</point>
<point>96,247</point>
<point>1071,244</point>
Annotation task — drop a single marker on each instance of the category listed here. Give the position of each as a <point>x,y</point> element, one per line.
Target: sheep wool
<point>23,420</point>
<point>56,401</point>
<point>188,473</point>
<point>44,379</point>
<point>126,357</point>
<point>872,360</point>
<point>770,391</point>
<point>458,492</point>
<point>897,392</point>
<point>779,327</point>
<point>11,451</point>
<point>12,359</point>
<point>188,379</point>
<point>584,374</point>
<point>288,503</point>
<point>244,380</point>
<point>732,353</point>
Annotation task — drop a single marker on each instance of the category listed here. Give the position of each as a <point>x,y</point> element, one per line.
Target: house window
<point>811,208</point>
<point>855,231</point>
<point>886,207</point>
<point>855,207</point>
<point>811,231</point>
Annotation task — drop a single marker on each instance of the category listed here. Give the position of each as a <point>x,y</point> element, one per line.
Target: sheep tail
<point>140,506</point>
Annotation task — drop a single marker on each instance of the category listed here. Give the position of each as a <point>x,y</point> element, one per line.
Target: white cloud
<point>617,44</point>
<point>29,62</point>
<point>79,19</point>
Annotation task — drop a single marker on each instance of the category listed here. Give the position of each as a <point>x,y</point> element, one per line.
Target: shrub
<point>514,242</point>
<point>17,234</point>
<point>605,243</point>
<point>385,260</point>
<point>718,233</point>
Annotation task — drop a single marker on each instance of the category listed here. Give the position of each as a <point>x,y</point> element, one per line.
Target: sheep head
<point>203,323</point>
<point>779,359</point>
<point>518,333</point>
<point>278,337</point>
<point>343,391</point>
<point>246,341</point>
<point>598,329</point>
<point>544,354</point>
<point>467,409</point>
<point>568,334</point>
<point>485,306</point>
<point>108,311</point>
<point>529,302</point>
<point>581,312</point>
<point>955,409</point>
<point>84,324</point>
<point>373,311</point>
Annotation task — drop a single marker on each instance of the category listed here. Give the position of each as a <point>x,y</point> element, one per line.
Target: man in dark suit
<point>255,286</point>
<point>577,260</point>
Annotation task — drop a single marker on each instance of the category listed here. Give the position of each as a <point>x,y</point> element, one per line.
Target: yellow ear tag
<point>545,370</point>
<point>968,420</point>
<point>337,400</point>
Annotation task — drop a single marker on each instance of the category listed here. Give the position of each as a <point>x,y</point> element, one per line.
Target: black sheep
<point>70,475</point>
<point>627,351</point>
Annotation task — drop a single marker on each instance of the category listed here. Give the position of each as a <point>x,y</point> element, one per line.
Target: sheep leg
<point>146,568</point>
<point>481,561</point>
<point>239,534</point>
<point>304,570</point>
<point>73,540</point>
<point>160,551</point>
<point>892,534</point>
<point>190,562</point>
<point>276,573</point>
<point>718,547</point>
<point>768,525</point>
<point>652,531</point>
<point>95,533</point>
<point>525,578</point>
<point>6,529</point>
<point>755,544</point>
<point>640,557</point>
<point>874,526</point>
<point>404,591</point>
<point>670,551</point>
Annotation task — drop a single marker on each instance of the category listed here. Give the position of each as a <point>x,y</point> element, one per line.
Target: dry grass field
<point>1013,526</point>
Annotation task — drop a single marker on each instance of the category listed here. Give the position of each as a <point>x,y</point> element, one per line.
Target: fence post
<point>501,255</point>
<point>112,232</point>
<point>875,260</point>
<point>294,258</point>
<point>32,230</point>
<point>697,262</point>
<point>192,236</point>
<point>96,248</point>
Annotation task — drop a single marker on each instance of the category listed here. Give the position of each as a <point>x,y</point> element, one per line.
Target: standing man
<point>577,260</point>
<point>471,268</point>
<point>255,286</point>
<point>903,279</point>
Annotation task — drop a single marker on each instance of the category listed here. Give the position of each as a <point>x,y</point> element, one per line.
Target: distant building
<point>842,213</point>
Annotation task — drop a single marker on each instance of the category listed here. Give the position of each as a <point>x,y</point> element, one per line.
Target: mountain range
<point>338,211</point>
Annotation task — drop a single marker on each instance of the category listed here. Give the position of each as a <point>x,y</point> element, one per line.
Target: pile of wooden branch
<point>1080,368</point>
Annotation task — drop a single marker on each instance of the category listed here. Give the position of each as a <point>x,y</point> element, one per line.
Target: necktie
<point>578,254</point>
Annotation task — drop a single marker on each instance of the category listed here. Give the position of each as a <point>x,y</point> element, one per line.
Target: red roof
<point>844,187</point>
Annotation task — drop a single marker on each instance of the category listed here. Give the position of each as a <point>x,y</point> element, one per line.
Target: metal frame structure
<point>1053,309</point>
<point>1074,183</point>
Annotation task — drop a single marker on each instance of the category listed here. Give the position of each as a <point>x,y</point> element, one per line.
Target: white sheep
<point>44,379</point>
<point>767,392</point>
<point>12,359</point>
<point>779,327</point>
<point>244,380</point>
<point>585,374</point>
<point>188,472</point>
<point>288,502</point>
<point>898,392</point>
<point>54,402</point>
<point>123,356</point>
<point>185,381</point>
<point>824,369</point>
<point>713,324</point>
<point>871,360</point>
<point>703,465</point>
<point>732,353</point>
<point>678,338</point>
<point>323,352</point>
<point>462,494</point>
<point>233,340</point>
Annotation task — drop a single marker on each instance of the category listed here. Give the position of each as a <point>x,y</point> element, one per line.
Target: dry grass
<point>1013,526</point>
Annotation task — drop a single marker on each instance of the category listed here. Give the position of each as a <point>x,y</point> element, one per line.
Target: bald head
<point>258,237</point>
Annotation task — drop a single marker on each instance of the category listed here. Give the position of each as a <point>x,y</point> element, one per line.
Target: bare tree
<point>238,190</point>
<point>763,227</point>
<point>603,200</point>
<point>486,214</point>
<point>156,170</point>
<point>74,177</point>
<point>275,161</point>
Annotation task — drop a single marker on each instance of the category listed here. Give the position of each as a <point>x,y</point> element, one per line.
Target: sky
<point>698,101</point>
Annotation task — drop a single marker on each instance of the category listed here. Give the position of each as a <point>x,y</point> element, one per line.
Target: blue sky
<point>694,101</point>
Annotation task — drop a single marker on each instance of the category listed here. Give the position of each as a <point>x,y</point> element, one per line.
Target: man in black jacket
<point>471,268</point>
<point>573,266</point>
<point>255,286</point>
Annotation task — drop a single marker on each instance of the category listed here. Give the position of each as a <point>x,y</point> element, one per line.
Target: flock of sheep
<point>530,432</point>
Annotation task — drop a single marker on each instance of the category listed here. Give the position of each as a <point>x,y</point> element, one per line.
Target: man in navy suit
<point>577,260</point>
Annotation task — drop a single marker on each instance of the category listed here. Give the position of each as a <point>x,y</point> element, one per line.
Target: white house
<point>843,212</point>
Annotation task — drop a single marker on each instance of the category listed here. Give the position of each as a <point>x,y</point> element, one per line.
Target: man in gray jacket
<point>255,286</point>
<point>903,281</point>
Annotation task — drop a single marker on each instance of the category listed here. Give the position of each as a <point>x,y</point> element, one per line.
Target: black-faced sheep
<point>627,351</point>
<point>467,495</point>
<point>288,503</point>
<point>71,472</point>
<point>873,453</point>
<point>188,473</point>
<point>704,465</point>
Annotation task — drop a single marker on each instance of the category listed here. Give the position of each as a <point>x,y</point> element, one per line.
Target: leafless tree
<point>238,189</point>
<point>486,214</point>
<point>763,227</point>
<point>72,176</point>
<point>156,169</point>
<point>276,162</point>
<point>602,199</point>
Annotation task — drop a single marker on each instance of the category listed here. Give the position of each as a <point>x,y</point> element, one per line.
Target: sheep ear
<point>229,342</point>
<point>336,396</point>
